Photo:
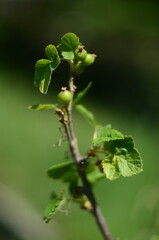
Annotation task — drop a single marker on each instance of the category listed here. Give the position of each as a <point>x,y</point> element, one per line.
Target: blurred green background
<point>125,37</point>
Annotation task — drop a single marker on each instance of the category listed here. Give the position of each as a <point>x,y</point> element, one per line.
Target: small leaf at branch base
<point>66,171</point>
<point>69,42</point>
<point>41,107</point>
<point>105,134</point>
<point>55,204</point>
<point>52,54</point>
<point>87,114</point>
<point>81,94</point>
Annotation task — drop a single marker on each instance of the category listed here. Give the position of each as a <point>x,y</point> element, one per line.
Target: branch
<point>73,144</point>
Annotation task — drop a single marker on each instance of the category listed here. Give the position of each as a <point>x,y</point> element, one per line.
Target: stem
<point>73,144</point>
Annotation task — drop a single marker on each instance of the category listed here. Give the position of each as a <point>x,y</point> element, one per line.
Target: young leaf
<point>110,170</point>
<point>87,114</point>
<point>41,107</point>
<point>53,206</point>
<point>123,159</point>
<point>43,71</point>
<point>52,54</point>
<point>128,165</point>
<point>105,134</point>
<point>81,94</point>
<point>67,55</point>
<point>69,42</point>
<point>66,171</point>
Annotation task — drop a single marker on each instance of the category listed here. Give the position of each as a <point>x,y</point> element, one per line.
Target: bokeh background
<point>125,37</point>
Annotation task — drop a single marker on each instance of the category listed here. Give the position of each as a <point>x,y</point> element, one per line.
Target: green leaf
<point>110,170</point>
<point>41,107</point>
<point>52,54</point>
<point>69,42</point>
<point>123,158</point>
<point>81,94</point>
<point>87,114</point>
<point>53,207</point>
<point>43,71</point>
<point>105,134</point>
<point>67,55</point>
<point>128,164</point>
<point>66,171</point>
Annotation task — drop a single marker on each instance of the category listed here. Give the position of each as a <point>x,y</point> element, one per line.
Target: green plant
<point>111,154</point>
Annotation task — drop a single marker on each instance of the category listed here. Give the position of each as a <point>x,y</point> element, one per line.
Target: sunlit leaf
<point>110,170</point>
<point>123,158</point>
<point>105,134</point>
<point>43,73</point>
<point>67,55</point>
<point>41,107</point>
<point>52,54</point>
<point>69,42</point>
